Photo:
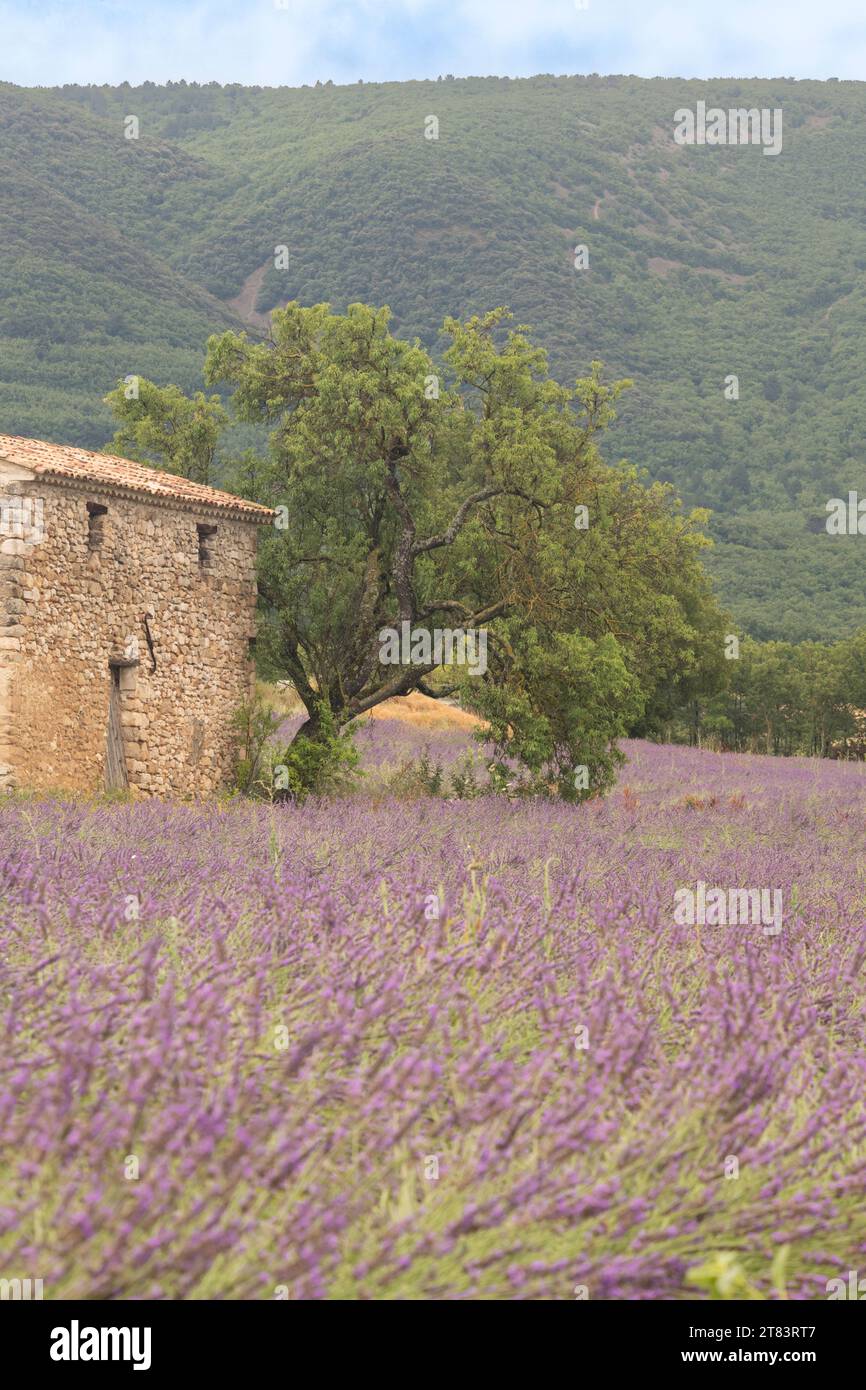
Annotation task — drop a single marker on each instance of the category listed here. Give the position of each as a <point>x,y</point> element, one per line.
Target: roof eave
<point>175,501</point>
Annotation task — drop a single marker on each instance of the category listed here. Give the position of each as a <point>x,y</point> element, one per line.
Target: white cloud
<point>255,41</point>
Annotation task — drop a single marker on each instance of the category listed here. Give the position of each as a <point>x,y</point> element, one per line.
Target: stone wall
<point>76,598</point>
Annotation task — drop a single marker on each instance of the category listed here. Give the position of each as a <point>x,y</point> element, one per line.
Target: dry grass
<point>420,711</point>
<point>424,713</point>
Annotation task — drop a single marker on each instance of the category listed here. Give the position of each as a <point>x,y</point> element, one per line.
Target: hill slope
<point>121,255</point>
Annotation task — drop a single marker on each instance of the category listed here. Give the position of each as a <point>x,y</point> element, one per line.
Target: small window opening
<point>96,515</point>
<point>205,545</point>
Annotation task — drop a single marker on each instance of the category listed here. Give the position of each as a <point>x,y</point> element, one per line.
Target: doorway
<point>116,775</point>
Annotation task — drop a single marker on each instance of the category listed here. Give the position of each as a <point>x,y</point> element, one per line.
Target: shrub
<point>324,764</point>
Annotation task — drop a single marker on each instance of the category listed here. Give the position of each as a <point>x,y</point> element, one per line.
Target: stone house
<point>127,615</point>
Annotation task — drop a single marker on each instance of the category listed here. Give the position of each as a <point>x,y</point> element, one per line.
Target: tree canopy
<point>472,502</point>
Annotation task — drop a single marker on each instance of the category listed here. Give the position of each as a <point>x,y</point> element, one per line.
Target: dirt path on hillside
<point>244,304</point>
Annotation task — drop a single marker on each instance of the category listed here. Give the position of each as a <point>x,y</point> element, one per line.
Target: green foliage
<point>325,763</point>
<point>318,762</point>
<point>464,781</point>
<point>161,423</point>
<point>121,255</point>
<point>424,777</point>
<point>412,499</point>
<point>784,698</point>
<point>254,726</point>
<point>428,775</point>
<point>722,1277</point>
<point>556,705</point>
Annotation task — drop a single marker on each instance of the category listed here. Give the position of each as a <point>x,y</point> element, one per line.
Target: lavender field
<point>427,1048</point>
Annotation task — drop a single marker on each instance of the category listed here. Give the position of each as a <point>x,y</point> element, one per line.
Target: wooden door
<point>116,777</point>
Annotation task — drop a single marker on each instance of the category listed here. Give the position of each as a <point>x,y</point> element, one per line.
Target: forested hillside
<point>120,255</point>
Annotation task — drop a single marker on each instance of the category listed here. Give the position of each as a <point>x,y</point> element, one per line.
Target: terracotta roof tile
<point>65,461</point>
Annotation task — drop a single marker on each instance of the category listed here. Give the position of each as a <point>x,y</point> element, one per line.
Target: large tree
<point>466,496</point>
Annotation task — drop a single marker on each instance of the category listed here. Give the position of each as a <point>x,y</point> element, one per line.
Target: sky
<point>290,42</point>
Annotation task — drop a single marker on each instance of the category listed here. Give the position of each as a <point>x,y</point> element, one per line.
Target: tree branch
<point>483,495</point>
<point>437,694</point>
